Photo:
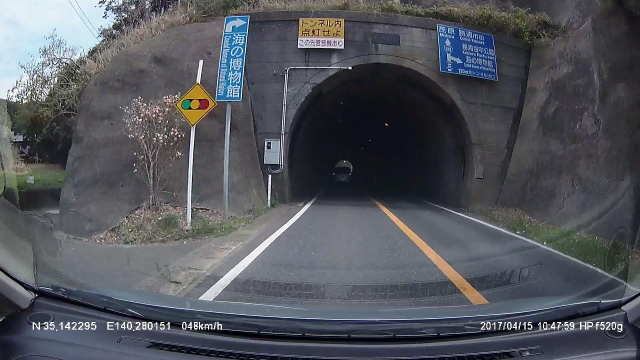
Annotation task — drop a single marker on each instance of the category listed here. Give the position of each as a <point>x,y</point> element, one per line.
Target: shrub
<point>157,130</point>
<point>169,222</point>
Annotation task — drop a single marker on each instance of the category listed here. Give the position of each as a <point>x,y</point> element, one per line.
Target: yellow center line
<point>461,283</point>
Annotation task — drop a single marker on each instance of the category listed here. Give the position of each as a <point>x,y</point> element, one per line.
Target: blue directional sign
<point>233,51</point>
<point>467,52</point>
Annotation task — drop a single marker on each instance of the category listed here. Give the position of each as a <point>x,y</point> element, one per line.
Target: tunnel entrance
<point>402,133</point>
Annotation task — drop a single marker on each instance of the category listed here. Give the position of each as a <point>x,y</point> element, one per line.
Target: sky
<point>25,23</point>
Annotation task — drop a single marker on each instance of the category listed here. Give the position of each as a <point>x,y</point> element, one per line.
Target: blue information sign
<point>467,52</point>
<point>232,56</point>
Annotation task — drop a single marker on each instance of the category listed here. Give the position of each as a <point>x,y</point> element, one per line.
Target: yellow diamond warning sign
<point>196,104</point>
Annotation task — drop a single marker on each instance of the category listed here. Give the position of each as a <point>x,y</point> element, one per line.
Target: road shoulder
<point>188,273</point>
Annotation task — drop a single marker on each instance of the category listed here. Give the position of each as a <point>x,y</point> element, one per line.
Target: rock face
<point>101,187</point>
<point>8,183</point>
<point>575,161</point>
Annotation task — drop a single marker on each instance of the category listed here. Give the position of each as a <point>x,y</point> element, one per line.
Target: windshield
<point>306,159</point>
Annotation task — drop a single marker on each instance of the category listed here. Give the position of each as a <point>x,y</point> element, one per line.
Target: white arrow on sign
<point>234,23</point>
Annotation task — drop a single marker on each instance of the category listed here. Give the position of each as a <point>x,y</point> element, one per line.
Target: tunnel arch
<point>376,116</point>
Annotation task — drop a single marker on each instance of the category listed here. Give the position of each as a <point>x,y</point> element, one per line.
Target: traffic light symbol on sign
<point>195,104</point>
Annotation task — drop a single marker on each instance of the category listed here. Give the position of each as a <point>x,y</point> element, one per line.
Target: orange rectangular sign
<point>321,33</point>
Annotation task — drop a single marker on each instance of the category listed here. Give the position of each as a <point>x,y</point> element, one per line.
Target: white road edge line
<point>265,305</point>
<point>535,243</point>
<point>219,286</point>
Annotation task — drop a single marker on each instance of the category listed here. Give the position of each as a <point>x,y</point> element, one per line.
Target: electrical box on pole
<point>272,151</point>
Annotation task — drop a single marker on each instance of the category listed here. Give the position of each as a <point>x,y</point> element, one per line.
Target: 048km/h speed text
<point>162,326</point>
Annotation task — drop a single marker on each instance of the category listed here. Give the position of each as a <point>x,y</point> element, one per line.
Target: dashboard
<point>52,329</point>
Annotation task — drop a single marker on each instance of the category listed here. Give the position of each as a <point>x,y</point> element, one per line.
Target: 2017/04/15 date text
<point>552,326</point>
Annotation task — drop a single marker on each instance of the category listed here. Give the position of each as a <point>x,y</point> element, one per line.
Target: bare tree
<point>53,79</point>
<point>47,97</point>
<point>157,130</point>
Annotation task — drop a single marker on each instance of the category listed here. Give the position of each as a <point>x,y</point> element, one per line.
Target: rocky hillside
<point>575,159</point>
<point>101,187</point>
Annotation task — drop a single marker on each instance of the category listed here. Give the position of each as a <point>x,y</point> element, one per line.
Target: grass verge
<point>167,223</point>
<point>40,178</point>
<point>610,256</point>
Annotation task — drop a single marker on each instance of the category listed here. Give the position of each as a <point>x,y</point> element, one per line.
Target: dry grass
<point>167,223</point>
<point>518,22</point>
<point>102,54</point>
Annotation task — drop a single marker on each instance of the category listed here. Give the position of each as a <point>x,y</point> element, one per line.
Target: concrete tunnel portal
<point>399,129</point>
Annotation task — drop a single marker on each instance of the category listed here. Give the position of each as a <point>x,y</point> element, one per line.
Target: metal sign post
<point>233,49</point>
<point>227,135</point>
<point>269,191</point>
<point>194,106</point>
<point>191,146</point>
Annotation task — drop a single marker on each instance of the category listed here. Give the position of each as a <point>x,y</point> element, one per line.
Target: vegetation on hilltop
<point>45,100</point>
<point>517,22</point>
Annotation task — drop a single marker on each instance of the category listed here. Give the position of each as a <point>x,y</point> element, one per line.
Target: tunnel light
<point>386,124</point>
<point>195,104</point>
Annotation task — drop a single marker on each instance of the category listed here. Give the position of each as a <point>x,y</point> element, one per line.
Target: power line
<point>86,17</point>
<point>82,20</point>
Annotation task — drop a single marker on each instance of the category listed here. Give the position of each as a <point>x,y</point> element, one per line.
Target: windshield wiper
<point>89,298</point>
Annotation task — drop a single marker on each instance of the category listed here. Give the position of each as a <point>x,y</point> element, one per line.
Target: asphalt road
<point>348,247</point>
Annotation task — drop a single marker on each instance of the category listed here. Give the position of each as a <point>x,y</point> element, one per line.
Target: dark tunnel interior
<point>393,124</point>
